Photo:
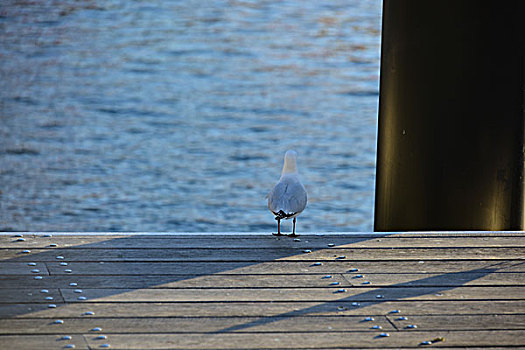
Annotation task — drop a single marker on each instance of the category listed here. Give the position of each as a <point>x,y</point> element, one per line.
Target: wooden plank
<point>467,278</point>
<point>18,295</point>
<point>458,322</point>
<point>259,255</point>
<point>41,342</point>
<point>267,280</point>
<point>339,323</point>
<point>260,241</point>
<point>308,340</point>
<point>283,267</point>
<point>22,268</point>
<point>193,325</point>
<point>293,294</point>
<point>344,340</point>
<point>180,281</point>
<point>266,309</point>
<point>239,236</point>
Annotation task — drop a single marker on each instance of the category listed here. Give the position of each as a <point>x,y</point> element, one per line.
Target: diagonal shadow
<point>435,283</point>
<point>182,258</point>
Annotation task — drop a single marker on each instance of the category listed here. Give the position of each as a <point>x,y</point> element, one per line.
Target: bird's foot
<point>278,234</point>
<point>293,235</point>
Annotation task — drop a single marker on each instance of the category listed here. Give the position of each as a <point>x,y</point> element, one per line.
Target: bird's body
<point>288,197</point>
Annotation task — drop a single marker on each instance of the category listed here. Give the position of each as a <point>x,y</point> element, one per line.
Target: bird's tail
<point>282,215</point>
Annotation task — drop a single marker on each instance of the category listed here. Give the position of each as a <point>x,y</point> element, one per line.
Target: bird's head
<point>290,162</point>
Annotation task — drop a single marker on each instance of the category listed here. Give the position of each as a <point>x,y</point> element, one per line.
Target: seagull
<point>288,198</point>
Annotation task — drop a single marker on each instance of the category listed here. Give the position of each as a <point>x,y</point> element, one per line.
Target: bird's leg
<point>278,228</point>
<point>293,232</point>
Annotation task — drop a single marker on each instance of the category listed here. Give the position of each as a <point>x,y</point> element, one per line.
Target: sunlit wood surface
<point>224,291</point>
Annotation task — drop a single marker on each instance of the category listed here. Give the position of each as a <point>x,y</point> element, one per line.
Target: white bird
<point>288,198</point>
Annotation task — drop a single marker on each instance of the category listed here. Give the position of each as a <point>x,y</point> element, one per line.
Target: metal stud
<point>101,337</point>
<point>89,313</point>
<point>307,251</point>
<point>68,270</point>
<point>327,276</point>
<point>365,282</point>
<point>358,276</point>
<point>53,245</point>
<point>47,235</point>
<point>49,298</point>
<point>66,337</point>
<point>411,326</point>
<point>82,298</point>
<point>70,346</point>
<point>355,303</point>
<point>37,277</point>
<point>58,322</point>
<point>17,235</point>
<point>331,244</point>
<point>426,342</point>
<point>335,283</point>
<point>73,284</point>
<point>376,327</point>
<point>380,296</point>
<point>31,264</point>
<point>60,257</point>
<point>297,240</point>
<point>368,319</point>
<point>341,257</point>
<point>353,270</point>
<point>20,239</point>
<point>51,306</point>
<point>401,318</point>
<point>78,290</point>
<point>105,346</point>
<point>317,264</point>
<point>63,264</point>
<point>342,290</point>
<point>96,329</point>
<point>384,335</point>
<point>394,312</point>
<point>35,270</point>
<point>44,291</point>
<point>27,251</point>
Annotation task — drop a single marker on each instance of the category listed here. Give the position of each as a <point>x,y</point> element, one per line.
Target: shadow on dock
<point>274,251</point>
<point>380,295</point>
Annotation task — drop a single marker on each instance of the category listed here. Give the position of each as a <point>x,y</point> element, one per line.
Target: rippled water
<point>175,115</point>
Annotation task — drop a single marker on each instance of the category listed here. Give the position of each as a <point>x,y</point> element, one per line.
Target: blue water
<point>175,115</point>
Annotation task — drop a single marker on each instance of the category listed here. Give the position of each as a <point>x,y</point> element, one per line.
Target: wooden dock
<point>333,291</point>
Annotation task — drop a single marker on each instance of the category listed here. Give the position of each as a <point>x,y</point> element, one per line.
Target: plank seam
<point>282,248</point>
<point>269,236</point>
<point>25,259</point>
<point>92,302</point>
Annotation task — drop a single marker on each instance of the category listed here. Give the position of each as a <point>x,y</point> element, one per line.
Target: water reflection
<point>156,116</point>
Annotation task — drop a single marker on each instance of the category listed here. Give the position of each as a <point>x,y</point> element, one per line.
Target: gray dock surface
<point>227,291</point>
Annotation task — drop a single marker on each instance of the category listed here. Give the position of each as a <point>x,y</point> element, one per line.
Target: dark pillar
<point>451,116</point>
